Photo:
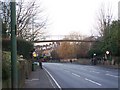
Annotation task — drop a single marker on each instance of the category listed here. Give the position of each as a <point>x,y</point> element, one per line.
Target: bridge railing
<point>68,38</point>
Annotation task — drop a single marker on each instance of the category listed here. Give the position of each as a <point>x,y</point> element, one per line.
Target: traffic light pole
<point>14,78</point>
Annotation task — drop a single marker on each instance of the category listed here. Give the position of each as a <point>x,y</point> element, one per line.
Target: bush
<point>23,47</point>
<point>6,45</point>
<point>6,66</point>
<point>23,66</point>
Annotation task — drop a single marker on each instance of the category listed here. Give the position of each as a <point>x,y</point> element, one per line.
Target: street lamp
<point>108,55</point>
<point>107,52</point>
<point>94,54</point>
<point>94,59</point>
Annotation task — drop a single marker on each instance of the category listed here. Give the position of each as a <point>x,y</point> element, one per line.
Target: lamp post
<point>108,55</point>
<point>94,54</point>
<point>94,59</point>
<point>107,52</point>
<point>14,76</point>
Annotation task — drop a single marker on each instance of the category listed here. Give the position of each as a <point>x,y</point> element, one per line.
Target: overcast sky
<point>66,16</point>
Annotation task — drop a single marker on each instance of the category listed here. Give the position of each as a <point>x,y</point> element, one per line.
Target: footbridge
<point>67,38</point>
<point>53,41</point>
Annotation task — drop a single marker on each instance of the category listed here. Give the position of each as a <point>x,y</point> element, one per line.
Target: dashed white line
<point>53,79</point>
<point>94,71</point>
<point>76,75</point>
<point>111,75</point>
<point>35,79</point>
<point>66,70</point>
<point>93,81</point>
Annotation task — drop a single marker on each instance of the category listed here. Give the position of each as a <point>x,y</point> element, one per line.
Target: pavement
<point>39,79</point>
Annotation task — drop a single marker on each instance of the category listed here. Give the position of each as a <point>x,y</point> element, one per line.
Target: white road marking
<point>67,71</point>
<point>93,81</point>
<point>35,79</point>
<point>76,75</point>
<point>112,75</point>
<point>94,71</point>
<point>53,79</point>
<point>50,81</point>
<point>28,80</point>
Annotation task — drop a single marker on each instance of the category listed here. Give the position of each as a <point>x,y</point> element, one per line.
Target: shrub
<point>6,66</point>
<point>23,47</point>
<point>6,45</point>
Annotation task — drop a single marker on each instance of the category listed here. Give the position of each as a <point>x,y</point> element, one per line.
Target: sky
<point>66,16</point>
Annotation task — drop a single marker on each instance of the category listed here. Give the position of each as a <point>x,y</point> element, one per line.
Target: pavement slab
<point>38,79</point>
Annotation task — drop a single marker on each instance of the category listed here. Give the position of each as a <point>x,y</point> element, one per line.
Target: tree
<point>104,18</point>
<point>75,45</point>
<point>54,55</point>
<point>110,43</point>
<point>30,20</point>
<point>66,50</point>
<point>75,36</point>
<point>5,16</point>
<point>104,27</point>
<point>80,48</point>
<point>84,47</point>
<point>113,38</point>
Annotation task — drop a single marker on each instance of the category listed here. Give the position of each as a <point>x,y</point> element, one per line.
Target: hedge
<point>6,58</point>
<point>23,47</point>
<point>24,68</point>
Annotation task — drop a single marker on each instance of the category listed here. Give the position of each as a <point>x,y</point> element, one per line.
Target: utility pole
<point>0,48</point>
<point>14,76</point>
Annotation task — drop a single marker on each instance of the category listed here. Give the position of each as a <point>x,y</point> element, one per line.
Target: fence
<point>24,70</point>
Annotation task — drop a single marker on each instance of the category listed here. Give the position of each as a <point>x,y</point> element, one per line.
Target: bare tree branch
<point>104,19</point>
<point>30,19</point>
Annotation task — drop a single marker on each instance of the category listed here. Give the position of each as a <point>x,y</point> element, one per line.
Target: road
<point>68,75</point>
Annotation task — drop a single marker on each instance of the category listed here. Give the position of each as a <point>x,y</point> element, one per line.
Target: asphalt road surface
<point>67,75</point>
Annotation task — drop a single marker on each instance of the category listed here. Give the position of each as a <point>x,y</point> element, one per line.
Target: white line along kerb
<point>53,79</point>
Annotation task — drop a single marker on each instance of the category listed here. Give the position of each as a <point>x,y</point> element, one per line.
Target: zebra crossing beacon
<point>36,58</point>
<point>34,54</point>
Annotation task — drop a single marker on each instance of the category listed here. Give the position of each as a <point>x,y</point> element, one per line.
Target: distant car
<point>44,60</point>
<point>36,63</point>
